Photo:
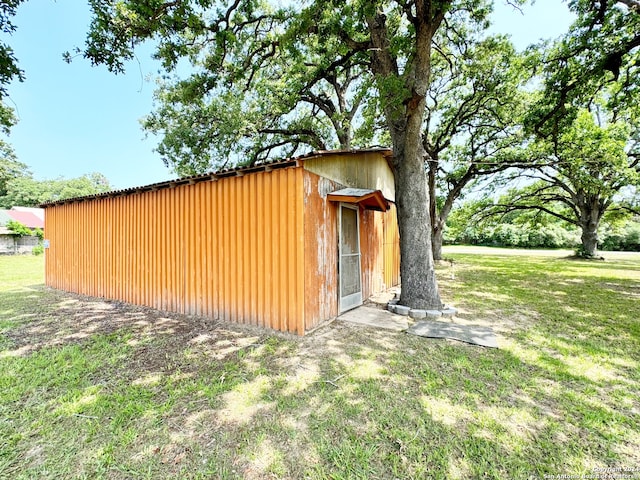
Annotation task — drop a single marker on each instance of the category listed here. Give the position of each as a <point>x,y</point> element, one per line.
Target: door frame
<point>355,299</point>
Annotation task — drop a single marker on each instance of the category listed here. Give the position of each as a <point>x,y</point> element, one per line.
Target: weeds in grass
<point>93,389</point>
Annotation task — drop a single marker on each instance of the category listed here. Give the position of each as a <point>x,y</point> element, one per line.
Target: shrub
<point>19,228</point>
<point>626,238</point>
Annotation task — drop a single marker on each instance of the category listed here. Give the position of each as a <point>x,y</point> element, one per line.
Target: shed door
<point>350,277</point>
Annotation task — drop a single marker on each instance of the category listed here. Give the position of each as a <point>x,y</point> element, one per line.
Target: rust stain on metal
<point>259,248</point>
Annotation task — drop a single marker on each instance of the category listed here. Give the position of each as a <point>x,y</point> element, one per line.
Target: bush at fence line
<point>626,238</point>
<point>516,236</point>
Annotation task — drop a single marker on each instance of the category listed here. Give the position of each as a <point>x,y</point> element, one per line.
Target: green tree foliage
<point>25,191</point>
<point>203,127</point>
<point>581,175</point>
<point>260,83</point>
<point>517,229</point>
<point>585,158</point>
<point>235,44</point>
<point>474,109</point>
<point>625,237</point>
<point>10,167</point>
<point>600,49</point>
<point>19,229</point>
<point>534,229</point>
<point>9,69</point>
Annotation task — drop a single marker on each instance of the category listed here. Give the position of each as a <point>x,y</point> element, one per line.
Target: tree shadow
<point>103,389</point>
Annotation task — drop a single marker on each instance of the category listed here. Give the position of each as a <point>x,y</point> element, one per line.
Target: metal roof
<point>28,219</point>
<point>229,172</point>
<point>369,199</point>
<point>38,212</point>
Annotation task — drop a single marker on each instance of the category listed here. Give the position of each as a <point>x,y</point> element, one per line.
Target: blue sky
<point>76,119</point>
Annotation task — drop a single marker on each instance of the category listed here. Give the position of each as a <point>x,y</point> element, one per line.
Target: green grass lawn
<point>95,389</point>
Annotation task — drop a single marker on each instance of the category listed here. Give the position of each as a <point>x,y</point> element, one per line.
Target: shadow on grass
<point>107,390</point>
<point>342,403</point>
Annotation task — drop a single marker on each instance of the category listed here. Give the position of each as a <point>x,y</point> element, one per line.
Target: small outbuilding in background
<point>284,245</point>
<point>12,243</point>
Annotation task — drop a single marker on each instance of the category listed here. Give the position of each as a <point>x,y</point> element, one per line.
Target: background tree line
<point>463,111</point>
<point>559,120</point>
<point>527,229</point>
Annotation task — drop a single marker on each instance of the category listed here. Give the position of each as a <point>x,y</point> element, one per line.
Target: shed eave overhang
<point>368,199</point>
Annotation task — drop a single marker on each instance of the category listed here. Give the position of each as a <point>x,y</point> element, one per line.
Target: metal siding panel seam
<point>194,236</point>
<point>189,236</point>
<point>243,285</point>
<point>248,232</point>
<point>144,260</point>
<point>233,243</point>
<point>212,242</point>
<point>137,264</point>
<point>253,247</point>
<point>206,238</point>
<point>260,265</point>
<point>299,248</point>
<point>219,249</point>
<point>241,241</point>
<point>292,252</point>
<point>171,259</point>
<point>202,251</point>
<point>183,232</point>
<point>227,301</point>
<point>270,273</point>
<point>280,283</point>
<point>158,252</point>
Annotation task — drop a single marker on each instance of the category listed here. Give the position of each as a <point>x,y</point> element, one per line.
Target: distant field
<point>478,250</point>
<point>104,390</point>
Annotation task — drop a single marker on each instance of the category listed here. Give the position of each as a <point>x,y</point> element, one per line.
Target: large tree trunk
<point>436,224</point>
<point>404,110</point>
<point>591,210</point>
<point>589,239</point>
<point>417,271</point>
<point>436,242</point>
<point>419,285</point>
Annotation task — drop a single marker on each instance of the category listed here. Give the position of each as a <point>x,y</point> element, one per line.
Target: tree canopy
<point>9,69</point>
<point>473,116</point>
<point>584,120</point>
<point>600,49</point>
<point>10,167</point>
<point>24,191</point>
<point>581,175</point>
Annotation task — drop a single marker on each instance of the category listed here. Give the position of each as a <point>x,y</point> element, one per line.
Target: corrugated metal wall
<point>364,169</point>
<point>371,248</point>
<point>379,245</point>
<point>391,267</point>
<point>321,250</point>
<point>231,249</point>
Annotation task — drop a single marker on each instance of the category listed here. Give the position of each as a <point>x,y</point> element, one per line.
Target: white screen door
<point>350,282</point>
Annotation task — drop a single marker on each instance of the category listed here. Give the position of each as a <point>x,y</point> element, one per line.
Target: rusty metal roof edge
<point>228,172</point>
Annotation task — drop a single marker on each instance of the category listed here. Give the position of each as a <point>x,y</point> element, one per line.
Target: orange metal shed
<point>259,245</point>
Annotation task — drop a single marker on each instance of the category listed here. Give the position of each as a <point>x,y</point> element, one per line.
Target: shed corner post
<point>301,249</point>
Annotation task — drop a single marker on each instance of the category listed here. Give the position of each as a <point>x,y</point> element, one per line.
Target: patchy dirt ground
<point>62,318</point>
<point>102,389</point>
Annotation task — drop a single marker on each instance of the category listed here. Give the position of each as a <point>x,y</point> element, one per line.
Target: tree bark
<point>591,208</point>
<point>436,242</point>
<point>419,284</point>
<point>432,170</point>
<point>589,239</point>
<point>404,113</point>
